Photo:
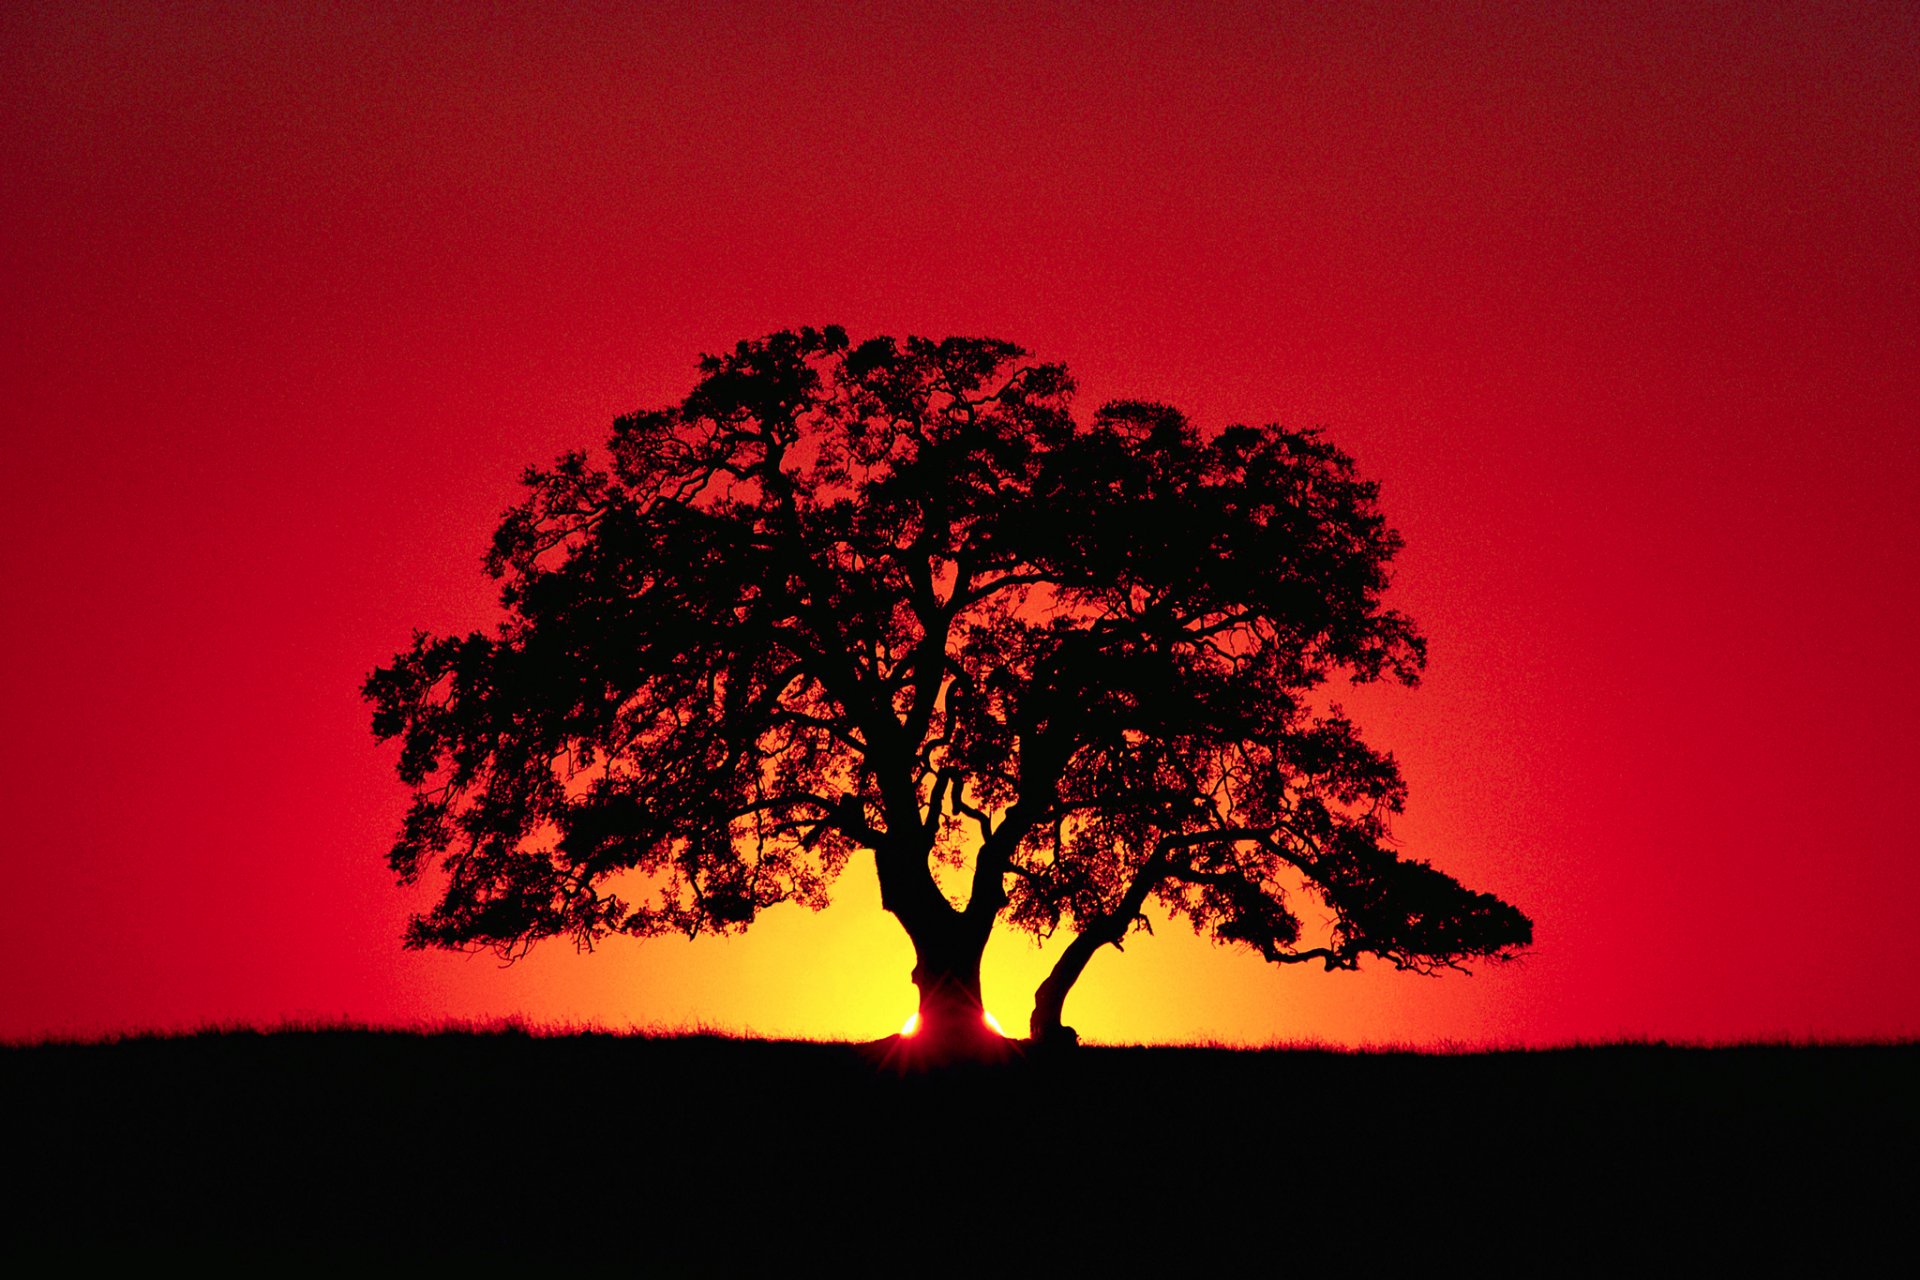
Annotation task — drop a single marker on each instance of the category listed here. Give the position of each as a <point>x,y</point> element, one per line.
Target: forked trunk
<point>950,1023</point>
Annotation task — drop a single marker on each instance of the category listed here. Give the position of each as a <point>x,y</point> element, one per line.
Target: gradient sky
<point>1620,304</point>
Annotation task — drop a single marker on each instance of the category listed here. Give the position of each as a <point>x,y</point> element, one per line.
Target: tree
<point>894,597</point>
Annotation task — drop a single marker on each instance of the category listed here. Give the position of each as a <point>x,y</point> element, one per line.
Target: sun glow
<point>912,1024</point>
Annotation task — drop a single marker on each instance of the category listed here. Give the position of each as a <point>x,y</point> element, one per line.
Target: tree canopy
<point>894,596</point>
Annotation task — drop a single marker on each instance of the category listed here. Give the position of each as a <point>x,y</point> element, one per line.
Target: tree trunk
<point>947,946</point>
<point>952,1015</point>
<point>1045,1025</point>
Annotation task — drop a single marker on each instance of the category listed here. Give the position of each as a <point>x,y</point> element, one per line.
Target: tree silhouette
<point>894,597</point>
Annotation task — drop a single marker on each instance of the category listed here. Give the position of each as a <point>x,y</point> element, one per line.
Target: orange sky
<point>1620,307</point>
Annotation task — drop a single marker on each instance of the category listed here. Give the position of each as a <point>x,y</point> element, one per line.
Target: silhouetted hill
<point>709,1155</point>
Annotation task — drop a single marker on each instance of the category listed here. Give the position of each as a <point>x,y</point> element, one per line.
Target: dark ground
<point>705,1155</point>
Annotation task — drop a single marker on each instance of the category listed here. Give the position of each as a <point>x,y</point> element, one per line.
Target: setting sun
<point>912,1024</point>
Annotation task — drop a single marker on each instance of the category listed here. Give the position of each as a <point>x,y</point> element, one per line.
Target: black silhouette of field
<point>706,1155</point>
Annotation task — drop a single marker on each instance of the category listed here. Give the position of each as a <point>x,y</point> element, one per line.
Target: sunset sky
<point>1619,302</point>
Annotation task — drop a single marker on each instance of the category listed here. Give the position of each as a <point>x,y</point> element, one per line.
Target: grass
<point>705,1154</point>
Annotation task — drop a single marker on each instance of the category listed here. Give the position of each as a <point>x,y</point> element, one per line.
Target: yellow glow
<point>912,1024</point>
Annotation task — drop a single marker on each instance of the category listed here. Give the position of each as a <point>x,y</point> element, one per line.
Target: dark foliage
<point>893,596</point>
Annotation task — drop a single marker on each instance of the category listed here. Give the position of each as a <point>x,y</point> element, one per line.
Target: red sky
<point>1621,307</point>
